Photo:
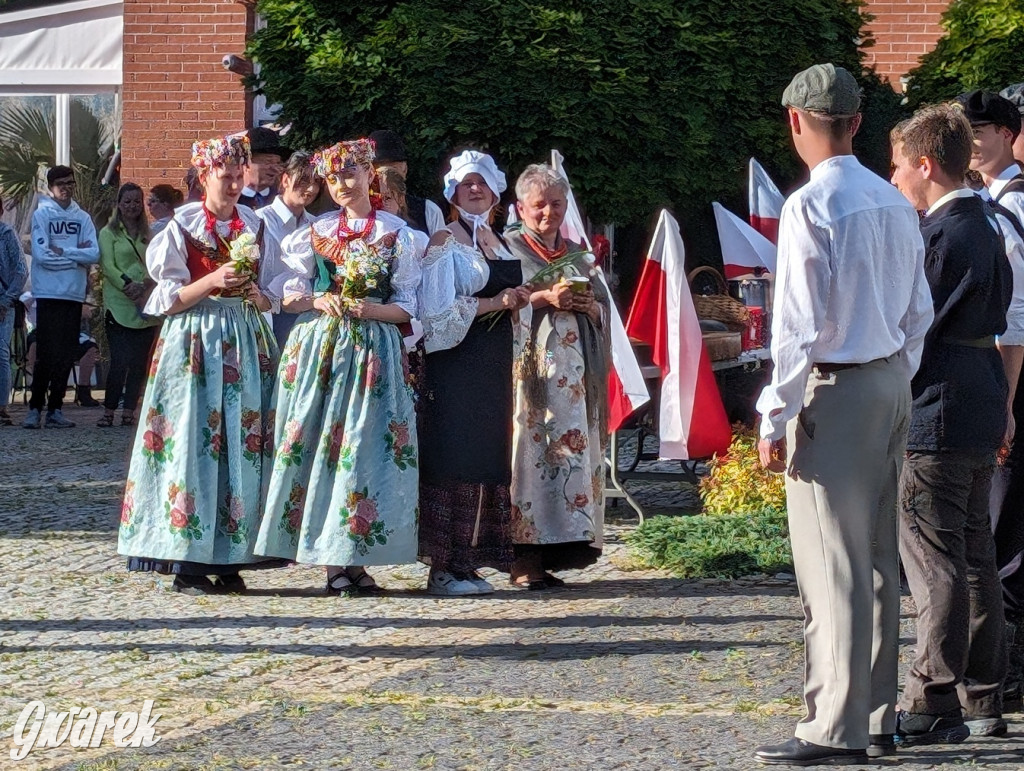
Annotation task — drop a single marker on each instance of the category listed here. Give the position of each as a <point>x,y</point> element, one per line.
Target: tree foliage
<point>652,102</point>
<point>982,48</point>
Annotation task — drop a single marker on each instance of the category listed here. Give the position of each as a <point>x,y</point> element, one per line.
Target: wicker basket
<point>720,307</point>
<point>723,345</point>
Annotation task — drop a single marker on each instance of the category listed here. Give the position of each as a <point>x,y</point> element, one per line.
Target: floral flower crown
<point>333,159</point>
<point>218,151</point>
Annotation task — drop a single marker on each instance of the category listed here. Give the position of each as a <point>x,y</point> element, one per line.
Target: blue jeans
<point>6,331</point>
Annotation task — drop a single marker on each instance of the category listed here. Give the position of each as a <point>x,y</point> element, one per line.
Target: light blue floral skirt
<point>345,480</point>
<point>202,448</point>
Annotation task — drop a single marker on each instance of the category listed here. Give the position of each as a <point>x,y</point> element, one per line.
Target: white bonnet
<point>470,162</point>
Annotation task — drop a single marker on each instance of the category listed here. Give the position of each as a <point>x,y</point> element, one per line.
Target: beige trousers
<point>845,453</point>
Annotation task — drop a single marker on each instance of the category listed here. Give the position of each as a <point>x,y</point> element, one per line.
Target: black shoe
<point>986,726</point>
<point>83,397</point>
<point>916,728</point>
<point>193,585</point>
<point>230,583</point>
<point>797,752</point>
<point>881,746</point>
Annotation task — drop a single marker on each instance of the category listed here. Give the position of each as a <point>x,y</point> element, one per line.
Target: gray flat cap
<point>824,88</point>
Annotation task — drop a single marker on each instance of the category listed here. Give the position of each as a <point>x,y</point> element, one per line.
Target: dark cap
<point>389,147</point>
<point>266,141</point>
<point>1015,94</point>
<point>983,107</point>
<point>824,88</point>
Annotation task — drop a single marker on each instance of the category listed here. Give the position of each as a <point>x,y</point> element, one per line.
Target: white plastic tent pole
<point>62,118</point>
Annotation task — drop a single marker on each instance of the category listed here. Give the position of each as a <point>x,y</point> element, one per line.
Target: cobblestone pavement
<point>624,669</point>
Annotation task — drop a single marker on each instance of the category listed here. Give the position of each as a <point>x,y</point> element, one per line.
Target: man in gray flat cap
<point>852,306</point>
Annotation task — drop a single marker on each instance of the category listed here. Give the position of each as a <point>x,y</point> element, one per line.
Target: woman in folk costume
<point>192,502</point>
<point>561,393</point>
<point>343,491</point>
<point>466,405</point>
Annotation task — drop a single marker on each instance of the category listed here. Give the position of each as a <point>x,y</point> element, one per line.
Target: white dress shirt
<point>850,287</point>
<point>1014,334</point>
<point>279,224</point>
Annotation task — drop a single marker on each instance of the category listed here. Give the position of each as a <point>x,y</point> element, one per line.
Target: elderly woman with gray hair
<point>561,393</point>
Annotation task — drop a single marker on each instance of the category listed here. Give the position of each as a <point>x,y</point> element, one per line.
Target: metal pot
<point>751,291</point>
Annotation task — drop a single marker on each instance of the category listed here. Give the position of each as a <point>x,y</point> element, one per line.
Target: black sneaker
<point>915,728</point>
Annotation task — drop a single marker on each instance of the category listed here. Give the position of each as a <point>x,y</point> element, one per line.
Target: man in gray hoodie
<point>64,245</point>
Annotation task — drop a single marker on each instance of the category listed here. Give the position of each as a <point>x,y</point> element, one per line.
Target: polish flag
<point>692,420</point>
<point>627,390</point>
<point>765,202</point>
<point>743,248</point>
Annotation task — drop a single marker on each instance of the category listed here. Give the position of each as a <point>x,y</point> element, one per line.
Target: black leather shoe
<point>881,745</point>
<point>797,752</point>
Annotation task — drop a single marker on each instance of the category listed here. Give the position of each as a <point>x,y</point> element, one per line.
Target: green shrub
<point>722,546</point>
<point>981,49</point>
<point>653,102</point>
<point>737,483</point>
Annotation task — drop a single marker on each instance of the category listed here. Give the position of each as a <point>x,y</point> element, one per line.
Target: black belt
<point>827,368</point>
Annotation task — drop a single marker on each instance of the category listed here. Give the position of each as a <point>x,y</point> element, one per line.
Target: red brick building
<point>903,32</point>
<point>177,90</point>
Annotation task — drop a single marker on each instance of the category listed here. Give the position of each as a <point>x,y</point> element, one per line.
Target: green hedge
<point>983,47</point>
<point>653,102</point>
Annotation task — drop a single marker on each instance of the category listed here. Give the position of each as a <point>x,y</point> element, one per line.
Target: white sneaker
<point>482,586</point>
<point>443,583</point>
<point>56,419</point>
<point>34,419</point>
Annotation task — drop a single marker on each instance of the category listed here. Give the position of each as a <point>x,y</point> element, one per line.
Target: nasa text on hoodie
<point>64,276</point>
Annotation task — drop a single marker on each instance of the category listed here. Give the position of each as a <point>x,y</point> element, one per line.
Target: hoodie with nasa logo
<point>63,276</point>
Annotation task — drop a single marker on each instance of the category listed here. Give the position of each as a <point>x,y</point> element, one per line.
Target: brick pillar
<point>903,32</point>
<point>175,88</point>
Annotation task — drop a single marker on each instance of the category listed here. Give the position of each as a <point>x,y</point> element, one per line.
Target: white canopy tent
<point>61,50</point>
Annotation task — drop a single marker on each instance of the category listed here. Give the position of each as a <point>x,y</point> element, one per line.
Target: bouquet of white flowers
<point>244,252</point>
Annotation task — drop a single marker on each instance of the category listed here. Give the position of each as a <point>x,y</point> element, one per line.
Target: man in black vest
<point>424,214</point>
<point>996,122</point>
<point>263,174</point>
<point>957,424</point>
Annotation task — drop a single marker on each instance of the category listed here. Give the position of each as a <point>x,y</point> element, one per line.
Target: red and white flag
<point>743,248</point>
<point>692,420</point>
<point>627,390</point>
<point>765,202</point>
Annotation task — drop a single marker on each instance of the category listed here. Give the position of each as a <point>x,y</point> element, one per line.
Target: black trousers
<point>57,326</point>
<point>129,361</point>
<point>949,556</point>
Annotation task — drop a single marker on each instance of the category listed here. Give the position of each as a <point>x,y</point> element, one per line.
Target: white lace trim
<point>446,330</point>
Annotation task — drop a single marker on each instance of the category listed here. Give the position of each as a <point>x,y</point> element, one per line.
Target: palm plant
<point>28,145</point>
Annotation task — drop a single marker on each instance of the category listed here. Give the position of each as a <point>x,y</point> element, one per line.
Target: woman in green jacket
<point>126,284</point>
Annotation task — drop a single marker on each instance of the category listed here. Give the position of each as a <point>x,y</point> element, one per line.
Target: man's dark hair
<point>58,172</point>
<point>940,132</point>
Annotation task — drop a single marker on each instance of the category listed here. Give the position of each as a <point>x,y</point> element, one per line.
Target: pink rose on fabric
<point>295,517</point>
<point>581,500</point>
<point>359,526</point>
<point>183,501</point>
<point>374,369</point>
<point>401,433</point>
<point>215,442</point>
<point>126,509</point>
<point>159,424</point>
<point>367,509</point>
<point>231,375</point>
<point>264,363</point>
<point>290,370</point>
<point>153,442</point>
<point>179,519</point>
<point>293,431</point>
<point>254,443</point>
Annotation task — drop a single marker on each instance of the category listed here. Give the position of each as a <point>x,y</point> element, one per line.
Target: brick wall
<point>903,31</point>
<point>175,89</point>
